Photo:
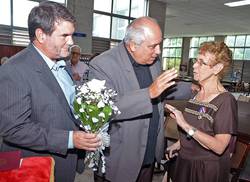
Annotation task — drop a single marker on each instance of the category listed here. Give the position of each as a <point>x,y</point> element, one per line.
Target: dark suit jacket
<point>34,113</point>
<point>128,133</point>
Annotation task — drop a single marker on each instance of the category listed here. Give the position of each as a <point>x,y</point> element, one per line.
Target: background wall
<point>83,11</point>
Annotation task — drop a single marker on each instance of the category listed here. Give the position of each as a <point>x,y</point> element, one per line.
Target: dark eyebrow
<point>65,35</point>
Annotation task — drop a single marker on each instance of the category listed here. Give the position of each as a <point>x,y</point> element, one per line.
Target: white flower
<point>100,104</point>
<point>79,100</point>
<point>92,98</point>
<point>101,115</point>
<point>84,89</point>
<point>87,127</point>
<point>95,120</point>
<point>96,85</point>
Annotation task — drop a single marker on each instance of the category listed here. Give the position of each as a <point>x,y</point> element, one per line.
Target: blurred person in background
<point>4,60</point>
<point>78,67</point>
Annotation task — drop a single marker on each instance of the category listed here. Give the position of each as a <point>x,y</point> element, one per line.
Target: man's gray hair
<point>137,35</point>
<point>137,31</point>
<point>73,46</point>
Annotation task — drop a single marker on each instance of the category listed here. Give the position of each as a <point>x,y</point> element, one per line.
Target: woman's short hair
<point>221,52</point>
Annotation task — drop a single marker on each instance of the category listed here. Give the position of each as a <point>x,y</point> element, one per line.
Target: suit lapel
<point>47,77</point>
<point>128,68</point>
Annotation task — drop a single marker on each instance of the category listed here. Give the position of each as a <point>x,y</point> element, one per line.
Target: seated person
<point>4,60</point>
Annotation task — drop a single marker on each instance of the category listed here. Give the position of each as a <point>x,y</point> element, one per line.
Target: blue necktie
<point>64,81</point>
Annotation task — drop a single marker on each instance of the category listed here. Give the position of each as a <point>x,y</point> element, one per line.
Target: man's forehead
<point>64,26</point>
<point>75,49</point>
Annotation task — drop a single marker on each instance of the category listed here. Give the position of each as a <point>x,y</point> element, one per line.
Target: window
<point>172,48</point>
<point>118,28</point>
<point>102,5</point>
<point>121,7</point>
<point>20,15</point>
<point>240,46</point>
<point>13,20</point>
<point>118,14</point>
<point>195,44</point>
<point>5,12</point>
<point>100,28</point>
<point>138,8</point>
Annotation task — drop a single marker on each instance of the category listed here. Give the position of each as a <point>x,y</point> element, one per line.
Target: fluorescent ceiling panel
<point>238,3</point>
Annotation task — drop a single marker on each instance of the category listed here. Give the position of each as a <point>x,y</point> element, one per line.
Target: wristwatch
<point>191,132</point>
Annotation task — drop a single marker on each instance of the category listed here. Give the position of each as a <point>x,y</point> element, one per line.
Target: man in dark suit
<point>36,95</point>
<point>132,69</point>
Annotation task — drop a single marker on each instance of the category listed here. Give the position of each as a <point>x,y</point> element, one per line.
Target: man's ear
<point>217,68</point>
<point>40,35</point>
<point>133,46</point>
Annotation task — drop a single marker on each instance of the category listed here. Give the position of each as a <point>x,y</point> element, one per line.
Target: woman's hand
<point>172,150</point>
<point>216,143</point>
<point>177,115</point>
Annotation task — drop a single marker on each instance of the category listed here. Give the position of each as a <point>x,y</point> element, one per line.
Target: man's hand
<point>162,82</point>
<point>86,141</point>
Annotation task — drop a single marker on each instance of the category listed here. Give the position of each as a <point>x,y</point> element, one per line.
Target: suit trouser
<point>145,175</point>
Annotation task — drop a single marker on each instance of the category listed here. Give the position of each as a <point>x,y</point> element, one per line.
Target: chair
<point>238,158</point>
<point>31,169</point>
<point>245,173</point>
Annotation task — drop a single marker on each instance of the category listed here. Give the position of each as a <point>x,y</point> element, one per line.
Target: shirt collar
<point>48,61</point>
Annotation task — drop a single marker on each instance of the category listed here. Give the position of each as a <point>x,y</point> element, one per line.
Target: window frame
<point>172,61</point>
<point>244,48</point>
<point>112,15</point>
<point>16,35</point>
<point>201,39</point>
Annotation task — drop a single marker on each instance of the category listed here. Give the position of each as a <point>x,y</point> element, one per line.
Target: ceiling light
<point>238,3</point>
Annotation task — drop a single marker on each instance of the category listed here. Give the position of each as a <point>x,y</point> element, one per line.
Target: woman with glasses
<point>208,124</point>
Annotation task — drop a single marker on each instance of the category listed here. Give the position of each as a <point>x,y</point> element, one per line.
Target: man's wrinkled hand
<point>162,82</point>
<point>86,141</point>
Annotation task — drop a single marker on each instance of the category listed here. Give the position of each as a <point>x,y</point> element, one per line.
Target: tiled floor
<point>87,176</point>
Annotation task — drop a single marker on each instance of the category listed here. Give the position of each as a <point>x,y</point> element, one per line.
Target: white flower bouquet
<point>94,107</point>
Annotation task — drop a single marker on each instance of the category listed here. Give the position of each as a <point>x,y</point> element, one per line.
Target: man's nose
<point>158,49</point>
<point>70,40</point>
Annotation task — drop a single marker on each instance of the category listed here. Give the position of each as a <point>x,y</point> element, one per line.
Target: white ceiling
<point>205,17</point>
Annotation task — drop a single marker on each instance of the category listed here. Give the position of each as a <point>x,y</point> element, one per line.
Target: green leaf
<point>107,112</point>
<point>76,105</point>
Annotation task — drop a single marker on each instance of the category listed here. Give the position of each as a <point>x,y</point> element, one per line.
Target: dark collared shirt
<point>144,78</point>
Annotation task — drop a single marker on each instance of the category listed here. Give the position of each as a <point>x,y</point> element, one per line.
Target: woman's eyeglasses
<point>201,62</point>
